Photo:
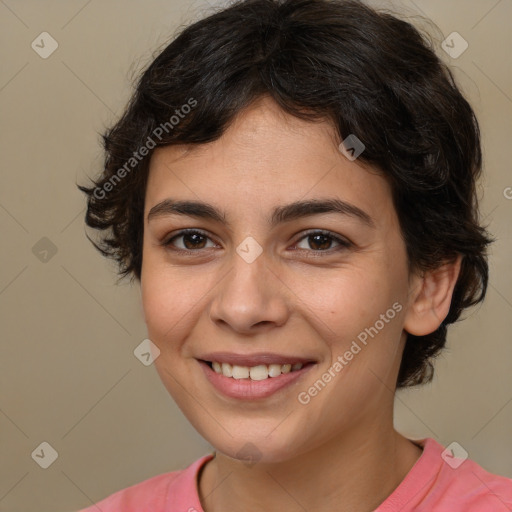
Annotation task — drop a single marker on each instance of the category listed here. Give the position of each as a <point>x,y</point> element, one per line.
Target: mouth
<point>253,382</point>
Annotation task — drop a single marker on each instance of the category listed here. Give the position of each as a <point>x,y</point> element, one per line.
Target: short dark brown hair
<point>370,73</point>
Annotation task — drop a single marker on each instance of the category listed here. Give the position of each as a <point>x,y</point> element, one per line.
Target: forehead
<point>264,159</point>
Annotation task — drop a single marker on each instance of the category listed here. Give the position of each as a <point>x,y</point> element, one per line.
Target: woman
<point>293,185</point>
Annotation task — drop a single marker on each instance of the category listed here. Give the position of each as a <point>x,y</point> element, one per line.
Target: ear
<point>430,298</point>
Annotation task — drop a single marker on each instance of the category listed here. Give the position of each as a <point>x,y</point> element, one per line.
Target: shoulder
<point>142,494</point>
<point>445,480</point>
<point>160,493</point>
<point>462,484</point>
<point>477,488</point>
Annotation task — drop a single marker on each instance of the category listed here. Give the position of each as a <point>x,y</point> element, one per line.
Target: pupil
<point>325,244</point>
<point>194,236</point>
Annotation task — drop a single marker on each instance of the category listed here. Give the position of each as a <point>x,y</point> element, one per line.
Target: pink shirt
<point>431,485</point>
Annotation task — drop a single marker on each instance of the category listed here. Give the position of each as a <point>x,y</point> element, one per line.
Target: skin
<point>340,451</point>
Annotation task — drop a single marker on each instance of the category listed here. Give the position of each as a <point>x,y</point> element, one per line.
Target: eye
<point>192,239</point>
<point>321,241</point>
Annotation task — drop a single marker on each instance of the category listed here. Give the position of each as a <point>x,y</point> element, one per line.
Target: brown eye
<point>191,240</point>
<point>321,241</point>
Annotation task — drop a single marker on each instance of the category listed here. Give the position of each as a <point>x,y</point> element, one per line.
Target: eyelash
<point>343,244</point>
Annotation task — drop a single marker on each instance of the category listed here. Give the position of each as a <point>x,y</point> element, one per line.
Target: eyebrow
<point>280,214</point>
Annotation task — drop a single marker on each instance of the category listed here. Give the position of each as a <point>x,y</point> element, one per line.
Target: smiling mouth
<point>256,373</point>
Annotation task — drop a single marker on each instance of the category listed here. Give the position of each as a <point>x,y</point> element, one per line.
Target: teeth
<point>274,370</point>
<point>227,370</point>
<point>240,372</point>
<point>260,372</point>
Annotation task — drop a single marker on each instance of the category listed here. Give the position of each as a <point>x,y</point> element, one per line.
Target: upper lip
<point>253,359</point>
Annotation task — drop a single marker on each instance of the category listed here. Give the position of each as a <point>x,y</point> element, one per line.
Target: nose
<point>251,298</point>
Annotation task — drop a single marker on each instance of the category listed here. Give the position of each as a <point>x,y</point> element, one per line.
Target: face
<point>258,283</point>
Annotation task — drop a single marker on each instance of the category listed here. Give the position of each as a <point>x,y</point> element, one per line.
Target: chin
<point>256,445</point>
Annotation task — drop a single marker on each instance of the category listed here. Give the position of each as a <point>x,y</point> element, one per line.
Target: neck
<point>355,472</point>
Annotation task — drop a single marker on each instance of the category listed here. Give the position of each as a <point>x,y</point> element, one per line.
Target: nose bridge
<point>250,294</point>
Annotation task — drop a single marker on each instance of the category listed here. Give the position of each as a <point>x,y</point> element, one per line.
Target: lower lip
<point>248,389</point>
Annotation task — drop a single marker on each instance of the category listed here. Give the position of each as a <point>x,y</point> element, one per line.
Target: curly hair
<point>368,72</point>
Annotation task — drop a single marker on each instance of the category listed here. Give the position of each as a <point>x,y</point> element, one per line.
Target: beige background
<point>68,375</point>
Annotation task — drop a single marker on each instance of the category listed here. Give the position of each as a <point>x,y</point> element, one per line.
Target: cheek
<point>166,300</point>
<point>173,300</point>
<point>166,313</point>
<point>345,299</point>
<point>346,313</point>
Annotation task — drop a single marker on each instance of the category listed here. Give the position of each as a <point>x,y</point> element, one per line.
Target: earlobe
<point>431,297</point>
